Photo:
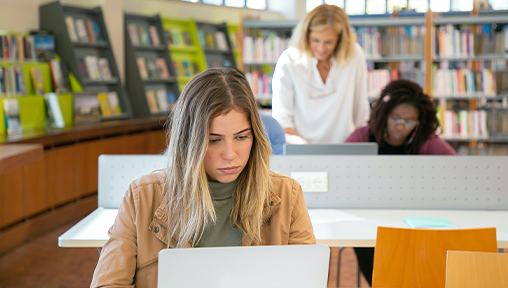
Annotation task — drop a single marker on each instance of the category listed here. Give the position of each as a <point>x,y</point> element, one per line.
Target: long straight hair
<point>322,17</point>
<point>206,96</point>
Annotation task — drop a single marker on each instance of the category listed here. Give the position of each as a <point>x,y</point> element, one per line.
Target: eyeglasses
<point>406,123</point>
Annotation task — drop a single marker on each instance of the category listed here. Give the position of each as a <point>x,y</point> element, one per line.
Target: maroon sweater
<point>433,146</point>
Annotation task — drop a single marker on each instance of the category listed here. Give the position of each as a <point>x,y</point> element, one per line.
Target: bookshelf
<point>150,76</point>
<point>187,56</point>
<point>216,44</point>
<point>83,45</point>
<point>257,60</point>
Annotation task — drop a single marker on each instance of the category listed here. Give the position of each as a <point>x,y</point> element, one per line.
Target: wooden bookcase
<point>150,53</point>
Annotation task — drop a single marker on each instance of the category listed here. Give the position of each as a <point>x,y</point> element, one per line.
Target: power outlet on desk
<point>311,181</point>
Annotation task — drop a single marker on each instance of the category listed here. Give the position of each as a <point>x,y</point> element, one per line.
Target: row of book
<point>260,83</point>
<point>13,82</point>
<point>463,123</point>
<point>27,48</point>
<point>380,42</point>
<point>95,68</point>
<point>186,68</point>
<point>160,100</point>
<point>144,35</point>
<point>264,49</point>
<point>153,69</point>
<point>213,40</point>
<point>463,82</point>
<point>460,41</point>
<point>177,37</point>
<point>482,149</point>
<point>84,30</point>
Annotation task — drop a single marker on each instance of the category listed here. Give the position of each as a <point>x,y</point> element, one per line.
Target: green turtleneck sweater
<point>221,233</point>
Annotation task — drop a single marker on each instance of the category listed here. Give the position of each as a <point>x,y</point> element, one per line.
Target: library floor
<point>41,263</point>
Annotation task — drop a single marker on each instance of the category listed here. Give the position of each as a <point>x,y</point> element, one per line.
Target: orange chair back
<point>476,269</point>
<point>416,258</point>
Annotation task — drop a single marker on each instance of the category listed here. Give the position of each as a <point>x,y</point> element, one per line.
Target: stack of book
<point>380,42</point>
<point>151,69</point>
<point>12,81</point>
<point>457,121</point>
<point>260,83</point>
<point>95,68</point>
<point>463,82</point>
<point>37,47</point>
<point>160,100</point>
<point>177,37</point>
<point>213,40</point>
<point>185,68</point>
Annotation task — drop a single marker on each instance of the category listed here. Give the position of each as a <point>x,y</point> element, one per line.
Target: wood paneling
<point>11,196</point>
<point>35,192</point>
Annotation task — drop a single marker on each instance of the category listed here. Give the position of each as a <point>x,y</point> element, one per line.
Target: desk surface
<point>92,230</point>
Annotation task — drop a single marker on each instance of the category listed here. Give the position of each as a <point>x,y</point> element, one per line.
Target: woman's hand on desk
<point>292,137</point>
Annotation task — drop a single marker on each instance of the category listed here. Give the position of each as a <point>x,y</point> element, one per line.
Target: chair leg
<point>338,265</point>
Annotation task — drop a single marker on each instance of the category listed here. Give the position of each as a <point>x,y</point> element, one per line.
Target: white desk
<point>92,230</point>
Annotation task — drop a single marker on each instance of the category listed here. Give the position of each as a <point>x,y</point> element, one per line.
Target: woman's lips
<point>229,170</point>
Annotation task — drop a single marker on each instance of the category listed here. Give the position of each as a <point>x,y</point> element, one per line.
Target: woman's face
<point>322,43</point>
<point>401,121</point>
<point>230,142</point>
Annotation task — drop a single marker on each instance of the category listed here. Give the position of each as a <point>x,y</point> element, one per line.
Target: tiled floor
<point>41,263</point>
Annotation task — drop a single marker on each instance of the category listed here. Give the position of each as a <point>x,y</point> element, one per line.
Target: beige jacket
<point>129,258</point>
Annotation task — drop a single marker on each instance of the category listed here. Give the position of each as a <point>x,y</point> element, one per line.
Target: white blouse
<point>320,112</point>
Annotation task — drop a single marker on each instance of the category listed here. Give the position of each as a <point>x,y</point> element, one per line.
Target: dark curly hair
<point>404,92</point>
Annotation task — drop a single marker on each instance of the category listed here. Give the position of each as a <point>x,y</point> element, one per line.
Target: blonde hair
<point>206,96</point>
<point>322,17</point>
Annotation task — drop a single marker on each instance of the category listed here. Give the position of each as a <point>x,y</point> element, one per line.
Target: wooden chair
<point>476,269</point>
<point>416,258</point>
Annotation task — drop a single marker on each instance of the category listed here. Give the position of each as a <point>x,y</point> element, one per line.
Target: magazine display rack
<point>83,44</point>
<point>186,53</point>
<point>215,42</point>
<point>150,75</point>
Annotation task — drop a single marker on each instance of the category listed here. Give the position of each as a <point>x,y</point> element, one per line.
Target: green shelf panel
<point>32,112</point>
<point>75,85</point>
<point>66,105</point>
<point>3,129</point>
<point>45,72</point>
<point>183,49</point>
<point>233,31</point>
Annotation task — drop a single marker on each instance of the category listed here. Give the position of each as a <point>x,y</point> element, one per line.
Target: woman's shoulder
<point>157,177</point>
<point>359,135</point>
<point>282,184</point>
<point>149,188</point>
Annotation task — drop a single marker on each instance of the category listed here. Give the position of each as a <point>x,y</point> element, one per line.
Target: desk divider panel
<point>116,172</point>
<point>407,182</point>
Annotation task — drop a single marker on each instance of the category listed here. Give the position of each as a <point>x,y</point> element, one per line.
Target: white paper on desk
<point>331,215</point>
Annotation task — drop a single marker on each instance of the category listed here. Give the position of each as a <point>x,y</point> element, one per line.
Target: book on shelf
<point>265,46</point>
<point>162,101</point>
<point>171,98</point>
<point>154,35</point>
<point>13,48</point>
<point>169,38</point>
<point>152,102</point>
<point>44,46</point>
<point>202,38</point>
<point>104,69</point>
<point>19,77</point>
<point>94,30</point>
<point>142,68</point>
<point>144,36</point>
<point>133,34</point>
<point>186,69</point>
<point>104,104</point>
<point>114,104</point>
<point>37,80</point>
<point>92,67</point>
<point>220,39</point>
<point>162,68</point>
<point>195,67</point>
<point>186,38</point>
<point>177,69</point>
<point>210,41</point>
<point>176,36</point>
<point>82,68</point>
<point>54,111</point>
<point>71,29</point>
<point>86,108</point>
<point>234,41</point>
<point>81,31</point>
<point>57,76</point>
<point>457,121</point>
<point>152,69</point>
<point>12,116</point>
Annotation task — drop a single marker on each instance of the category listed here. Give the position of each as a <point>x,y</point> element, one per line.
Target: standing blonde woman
<point>320,81</point>
<point>217,189</point>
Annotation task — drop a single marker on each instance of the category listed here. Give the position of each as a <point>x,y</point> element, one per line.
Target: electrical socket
<point>311,181</point>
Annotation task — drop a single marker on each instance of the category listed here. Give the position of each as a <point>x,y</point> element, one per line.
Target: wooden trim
<point>427,48</point>
<point>39,225</point>
<point>52,137</point>
<point>13,156</point>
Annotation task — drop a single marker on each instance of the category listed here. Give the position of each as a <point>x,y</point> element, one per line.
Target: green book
<point>429,223</point>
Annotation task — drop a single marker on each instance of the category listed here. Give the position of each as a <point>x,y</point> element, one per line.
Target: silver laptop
<point>290,266</point>
<point>369,148</point>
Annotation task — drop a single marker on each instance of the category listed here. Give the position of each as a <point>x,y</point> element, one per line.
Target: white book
<point>12,117</point>
<point>162,100</point>
<point>248,43</point>
<point>220,39</point>
<point>71,28</point>
<point>92,67</point>
<point>81,31</point>
<point>54,110</point>
<point>104,68</point>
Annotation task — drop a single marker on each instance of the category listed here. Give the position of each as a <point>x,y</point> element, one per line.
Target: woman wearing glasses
<point>319,83</point>
<point>403,121</point>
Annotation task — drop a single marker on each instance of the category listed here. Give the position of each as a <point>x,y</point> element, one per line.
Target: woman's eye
<point>242,137</point>
<point>213,141</point>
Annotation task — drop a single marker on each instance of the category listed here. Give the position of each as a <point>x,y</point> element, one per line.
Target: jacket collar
<point>158,227</point>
